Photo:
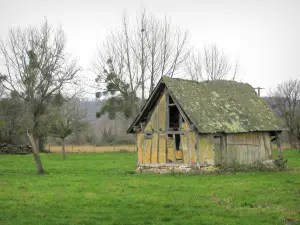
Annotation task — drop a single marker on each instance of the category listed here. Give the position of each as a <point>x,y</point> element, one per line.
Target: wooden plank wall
<point>247,148</point>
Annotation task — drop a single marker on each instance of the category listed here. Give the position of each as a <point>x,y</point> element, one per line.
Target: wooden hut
<point>199,124</point>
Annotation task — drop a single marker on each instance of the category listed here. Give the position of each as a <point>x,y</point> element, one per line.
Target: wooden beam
<point>174,148</point>
<point>198,149</point>
<point>137,149</point>
<point>151,150</point>
<point>157,151</point>
<point>167,111</point>
<point>165,164</point>
<point>189,149</point>
<point>167,122</point>
<point>180,121</point>
<point>181,148</point>
<point>144,150</point>
<point>278,145</point>
<point>172,104</point>
<point>176,132</point>
<point>222,146</point>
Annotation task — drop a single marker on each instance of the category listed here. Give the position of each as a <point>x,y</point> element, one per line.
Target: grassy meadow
<point>104,189</point>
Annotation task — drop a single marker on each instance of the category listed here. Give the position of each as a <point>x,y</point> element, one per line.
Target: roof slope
<point>222,106</point>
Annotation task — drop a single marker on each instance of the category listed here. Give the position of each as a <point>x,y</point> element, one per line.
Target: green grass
<point>102,189</point>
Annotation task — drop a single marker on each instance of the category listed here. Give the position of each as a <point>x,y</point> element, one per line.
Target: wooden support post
<point>137,150</point>
<point>181,148</point>
<point>166,149</point>
<point>151,150</point>
<point>278,145</point>
<point>158,135</point>
<point>167,123</point>
<point>174,148</point>
<point>157,153</point>
<point>144,151</point>
<point>189,149</point>
<point>222,146</point>
<point>180,121</point>
<point>198,149</point>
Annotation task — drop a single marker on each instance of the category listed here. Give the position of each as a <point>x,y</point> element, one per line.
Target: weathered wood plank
<point>151,150</point>
<point>166,148</point>
<point>198,149</point>
<point>157,151</point>
<point>181,148</point>
<point>175,132</point>
<point>167,121</point>
<point>144,151</point>
<point>137,149</point>
<point>165,164</point>
<point>189,149</point>
<point>174,148</point>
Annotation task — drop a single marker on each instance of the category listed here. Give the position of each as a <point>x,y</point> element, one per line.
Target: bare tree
<point>142,52</point>
<point>194,67</point>
<point>212,65</point>
<point>66,121</point>
<point>285,101</point>
<point>37,69</point>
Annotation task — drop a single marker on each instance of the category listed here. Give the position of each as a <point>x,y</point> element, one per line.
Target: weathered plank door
<point>217,151</point>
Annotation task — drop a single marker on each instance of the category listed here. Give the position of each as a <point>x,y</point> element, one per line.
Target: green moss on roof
<point>223,106</point>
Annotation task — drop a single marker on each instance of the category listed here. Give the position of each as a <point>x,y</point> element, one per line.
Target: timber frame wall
<point>156,142</point>
<point>160,143</point>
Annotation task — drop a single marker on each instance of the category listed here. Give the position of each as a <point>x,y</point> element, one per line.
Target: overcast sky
<point>263,34</point>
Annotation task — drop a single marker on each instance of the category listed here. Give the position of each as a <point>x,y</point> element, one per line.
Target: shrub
<point>280,163</point>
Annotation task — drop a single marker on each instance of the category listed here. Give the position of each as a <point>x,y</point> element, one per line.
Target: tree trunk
<point>41,144</point>
<point>278,145</point>
<point>291,139</point>
<point>36,155</point>
<point>63,148</point>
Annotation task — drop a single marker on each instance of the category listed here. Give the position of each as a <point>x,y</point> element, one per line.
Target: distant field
<point>105,189</point>
<point>92,148</point>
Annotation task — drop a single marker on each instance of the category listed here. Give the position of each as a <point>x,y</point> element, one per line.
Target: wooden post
<point>158,135</point>
<point>189,149</point>
<point>222,146</point>
<point>198,149</point>
<point>151,151</point>
<point>180,121</point>
<point>180,147</point>
<point>166,148</point>
<point>144,150</point>
<point>157,153</point>
<point>278,145</point>
<point>167,123</point>
<point>137,150</point>
<point>174,148</point>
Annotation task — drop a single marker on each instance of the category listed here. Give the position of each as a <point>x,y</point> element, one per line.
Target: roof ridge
<point>165,77</point>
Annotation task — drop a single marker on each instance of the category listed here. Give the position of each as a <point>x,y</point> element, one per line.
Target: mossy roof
<point>222,106</point>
